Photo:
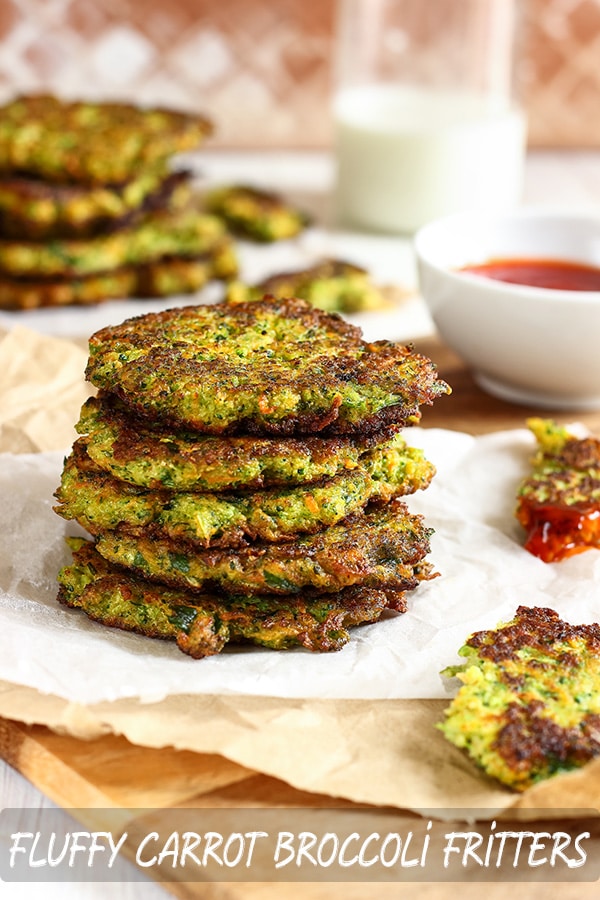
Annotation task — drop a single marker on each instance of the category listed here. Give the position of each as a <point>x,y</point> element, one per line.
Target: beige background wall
<point>261,69</point>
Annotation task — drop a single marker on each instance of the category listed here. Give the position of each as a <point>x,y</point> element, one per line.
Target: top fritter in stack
<point>240,471</point>
<point>90,210</point>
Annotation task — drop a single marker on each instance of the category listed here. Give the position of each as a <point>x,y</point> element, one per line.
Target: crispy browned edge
<point>422,389</point>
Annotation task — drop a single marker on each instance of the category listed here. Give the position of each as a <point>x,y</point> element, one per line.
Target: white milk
<point>408,155</point>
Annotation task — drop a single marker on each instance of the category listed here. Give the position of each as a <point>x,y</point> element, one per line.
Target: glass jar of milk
<point>426,120</point>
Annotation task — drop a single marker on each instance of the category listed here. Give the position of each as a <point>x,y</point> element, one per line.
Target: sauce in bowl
<point>554,274</point>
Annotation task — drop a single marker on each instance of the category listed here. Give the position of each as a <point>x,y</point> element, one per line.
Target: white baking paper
<point>485,574</point>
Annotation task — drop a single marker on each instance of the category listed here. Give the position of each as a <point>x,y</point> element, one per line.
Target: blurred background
<point>261,68</point>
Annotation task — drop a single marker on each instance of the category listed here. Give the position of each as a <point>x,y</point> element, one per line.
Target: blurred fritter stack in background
<point>240,471</point>
<point>91,210</point>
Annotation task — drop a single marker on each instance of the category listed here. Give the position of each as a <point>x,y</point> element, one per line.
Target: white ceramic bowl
<point>529,345</point>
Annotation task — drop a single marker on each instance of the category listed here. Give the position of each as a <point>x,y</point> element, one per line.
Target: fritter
<point>272,367</point>
<point>100,502</point>
<point>91,143</point>
<point>202,624</point>
<point>529,706</point>
<point>559,503</point>
<point>332,285</point>
<point>162,278</point>
<point>37,210</point>
<point>255,214</point>
<point>182,233</point>
<point>382,549</point>
<point>134,452</point>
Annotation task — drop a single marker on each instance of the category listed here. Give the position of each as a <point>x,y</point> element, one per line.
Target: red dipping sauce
<point>555,274</point>
<point>555,532</point>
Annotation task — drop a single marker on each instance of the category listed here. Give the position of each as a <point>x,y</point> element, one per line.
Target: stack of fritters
<point>90,210</point>
<point>239,471</point>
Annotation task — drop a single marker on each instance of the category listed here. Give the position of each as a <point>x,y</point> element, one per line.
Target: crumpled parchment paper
<point>344,724</point>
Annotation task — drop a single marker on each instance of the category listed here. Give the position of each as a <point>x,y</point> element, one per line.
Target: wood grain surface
<point>109,773</point>
<point>110,784</point>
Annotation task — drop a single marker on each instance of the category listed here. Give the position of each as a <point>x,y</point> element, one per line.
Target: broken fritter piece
<point>203,624</point>
<point>332,285</point>
<point>559,503</point>
<point>529,705</point>
<point>255,214</point>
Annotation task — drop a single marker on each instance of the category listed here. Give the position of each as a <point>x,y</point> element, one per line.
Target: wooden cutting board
<point>110,773</point>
